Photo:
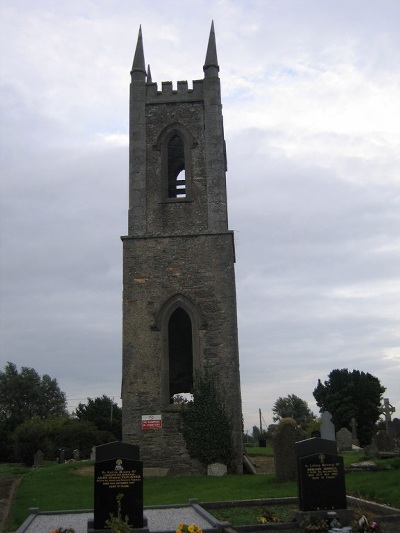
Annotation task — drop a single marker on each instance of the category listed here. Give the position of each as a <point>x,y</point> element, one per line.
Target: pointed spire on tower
<point>138,71</point>
<point>149,80</point>
<point>211,67</point>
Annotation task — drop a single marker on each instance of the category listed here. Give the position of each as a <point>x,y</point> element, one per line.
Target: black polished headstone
<point>321,483</point>
<point>118,471</point>
<point>315,445</point>
<point>117,449</point>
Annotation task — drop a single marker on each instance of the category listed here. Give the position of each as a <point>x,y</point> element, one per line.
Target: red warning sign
<point>151,422</point>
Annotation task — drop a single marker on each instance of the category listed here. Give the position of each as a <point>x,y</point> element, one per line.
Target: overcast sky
<point>311,103</point>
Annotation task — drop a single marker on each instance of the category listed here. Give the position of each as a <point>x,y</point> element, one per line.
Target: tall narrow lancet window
<point>180,349</point>
<point>176,168</point>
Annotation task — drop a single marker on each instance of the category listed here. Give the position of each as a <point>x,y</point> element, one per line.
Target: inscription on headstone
<point>118,471</point>
<point>321,476</point>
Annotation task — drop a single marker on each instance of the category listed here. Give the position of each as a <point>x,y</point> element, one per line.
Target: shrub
<point>206,426</point>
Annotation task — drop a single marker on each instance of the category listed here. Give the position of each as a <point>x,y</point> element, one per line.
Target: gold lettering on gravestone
<point>322,470</point>
<point>118,479</point>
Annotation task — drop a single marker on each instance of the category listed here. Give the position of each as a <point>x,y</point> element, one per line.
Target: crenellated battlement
<point>168,94</point>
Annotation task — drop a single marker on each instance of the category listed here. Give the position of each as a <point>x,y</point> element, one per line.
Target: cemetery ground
<point>70,486</point>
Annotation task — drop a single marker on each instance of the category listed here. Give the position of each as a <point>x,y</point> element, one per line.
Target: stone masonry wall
<point>201,269</point>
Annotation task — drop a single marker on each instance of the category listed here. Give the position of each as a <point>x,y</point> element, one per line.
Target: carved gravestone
<point>321,484</point>
<point>344,439</point>
<point>286,435</point>
<point>117,471</point>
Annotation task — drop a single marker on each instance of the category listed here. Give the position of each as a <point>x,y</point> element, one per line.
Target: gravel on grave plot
<point>165,519</point>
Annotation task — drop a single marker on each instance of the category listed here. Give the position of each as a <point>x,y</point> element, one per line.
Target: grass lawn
<point>255,450</point>
<point>70,486</point>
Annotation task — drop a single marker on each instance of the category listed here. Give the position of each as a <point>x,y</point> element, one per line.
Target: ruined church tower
<point>179,296</point>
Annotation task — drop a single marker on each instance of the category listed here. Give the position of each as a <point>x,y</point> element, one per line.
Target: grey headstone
<point>286,435</point>
<point>38,459</point>
<point>344,439</point>
<point>355,439</point>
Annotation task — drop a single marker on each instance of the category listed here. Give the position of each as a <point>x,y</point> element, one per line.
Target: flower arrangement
<point>184,528</point>
<point>63,530</point>
<point>362,525</point>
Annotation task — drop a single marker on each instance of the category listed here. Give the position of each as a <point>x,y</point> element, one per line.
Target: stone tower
<point>179,296</point>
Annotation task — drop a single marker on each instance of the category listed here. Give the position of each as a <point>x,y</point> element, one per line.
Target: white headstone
<point>217,469</point>
<point>327,427</point>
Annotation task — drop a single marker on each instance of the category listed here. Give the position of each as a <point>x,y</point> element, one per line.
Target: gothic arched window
<point>176,144</point>
<point>180,324</point>
<point>180,353</point>
<point>176,168</point>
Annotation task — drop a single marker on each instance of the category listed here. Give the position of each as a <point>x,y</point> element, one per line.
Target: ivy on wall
<point>206,426</point>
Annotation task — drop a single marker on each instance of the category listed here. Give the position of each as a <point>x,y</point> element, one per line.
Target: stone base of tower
<point>165,448</point>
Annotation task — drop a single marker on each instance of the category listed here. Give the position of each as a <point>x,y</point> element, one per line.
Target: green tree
<point>29,437</point>
<point>54,433</point>
<point>25,395</point>
<point>80,435</point>
<point>348,395</point>
<point>104,413</point>
<point>293,407</point>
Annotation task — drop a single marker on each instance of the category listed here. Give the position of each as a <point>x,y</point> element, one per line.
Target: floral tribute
<point>63,530</point>
<point>362,525</point>
<point>193,528</point>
